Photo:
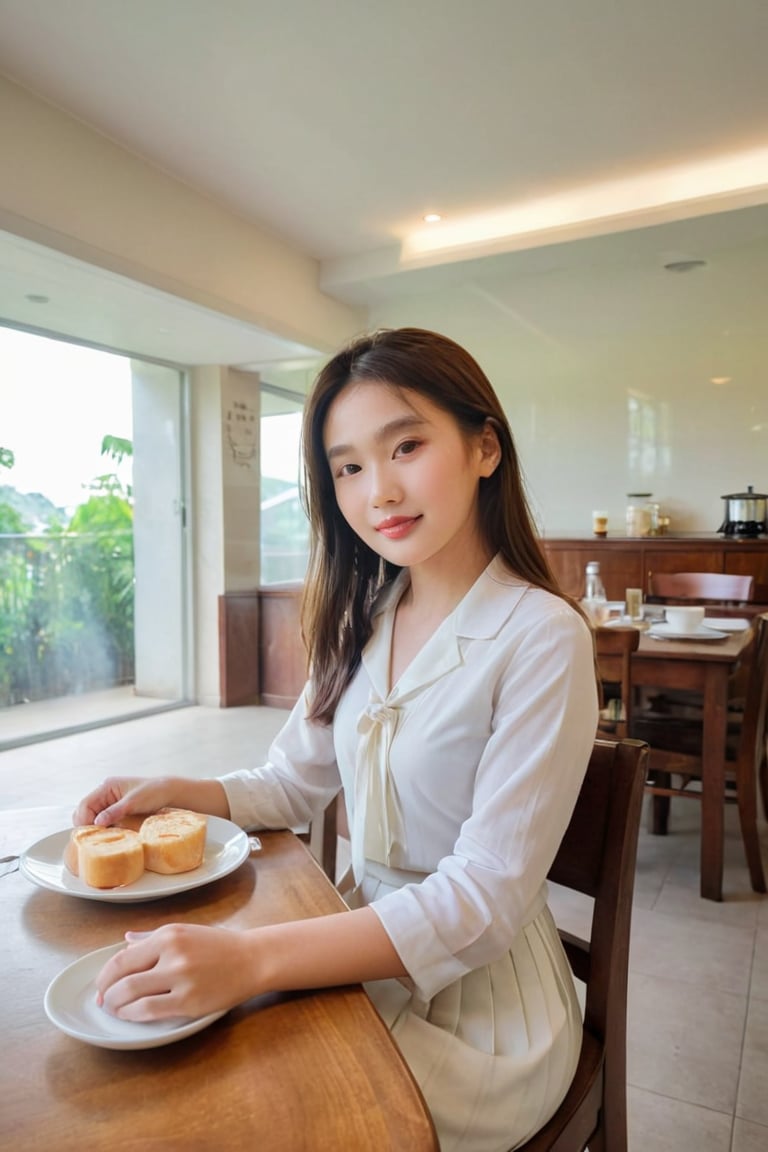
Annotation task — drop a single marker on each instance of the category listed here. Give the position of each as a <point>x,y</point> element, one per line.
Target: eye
<point>346,470</point>
<point>407,447</point>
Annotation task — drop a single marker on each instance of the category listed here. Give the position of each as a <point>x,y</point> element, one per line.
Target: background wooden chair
<point>675,757</point>
<point>700,586</point>
<point>597,857</point>
<point>614,664</point>
<point>719,592</point>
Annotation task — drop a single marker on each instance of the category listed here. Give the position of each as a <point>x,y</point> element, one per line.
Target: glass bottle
<point>595,601</point>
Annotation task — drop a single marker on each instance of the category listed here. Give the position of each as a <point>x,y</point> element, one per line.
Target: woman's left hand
<point>177,970</point>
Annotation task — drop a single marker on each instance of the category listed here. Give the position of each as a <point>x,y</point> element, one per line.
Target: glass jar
<point>638,514</point>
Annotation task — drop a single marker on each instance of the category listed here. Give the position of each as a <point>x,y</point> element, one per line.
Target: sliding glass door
<point>92,537</point>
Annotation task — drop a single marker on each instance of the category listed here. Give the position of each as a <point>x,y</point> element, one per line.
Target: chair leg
<point>660,823</point>
<point>746,798</point>
<point>660,805</point>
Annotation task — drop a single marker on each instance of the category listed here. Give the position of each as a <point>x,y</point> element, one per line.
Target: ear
<point>490,449</point>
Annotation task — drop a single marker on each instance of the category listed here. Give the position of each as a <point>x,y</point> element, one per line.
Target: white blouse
<point>465,773</point>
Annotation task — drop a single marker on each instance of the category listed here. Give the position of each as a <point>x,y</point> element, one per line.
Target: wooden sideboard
<point>627,562</point>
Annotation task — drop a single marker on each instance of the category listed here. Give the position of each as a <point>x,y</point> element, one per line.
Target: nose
<point>385,488</point>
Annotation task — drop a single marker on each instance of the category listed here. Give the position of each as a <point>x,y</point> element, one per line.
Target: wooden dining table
<point>703,667</point>
<point>293,1072</point>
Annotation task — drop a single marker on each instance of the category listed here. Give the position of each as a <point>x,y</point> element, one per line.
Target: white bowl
<point>688,619</point>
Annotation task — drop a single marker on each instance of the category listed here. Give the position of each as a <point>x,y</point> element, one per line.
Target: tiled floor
<point>698,1005</point>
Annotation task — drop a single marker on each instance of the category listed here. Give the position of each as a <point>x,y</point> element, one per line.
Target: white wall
<point>581,334</point>
<point>241,478</point>
<point>206,527</point>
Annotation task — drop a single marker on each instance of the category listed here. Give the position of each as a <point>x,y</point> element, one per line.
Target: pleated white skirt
<point>495,1052</point>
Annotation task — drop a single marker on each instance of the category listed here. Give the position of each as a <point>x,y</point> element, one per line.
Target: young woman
<point>452,695</point>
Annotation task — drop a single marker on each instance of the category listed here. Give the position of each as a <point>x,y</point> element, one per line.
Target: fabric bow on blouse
<point>378,832</point>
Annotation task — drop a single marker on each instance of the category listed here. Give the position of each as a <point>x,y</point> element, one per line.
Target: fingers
<point>92,808</point>
<point>113,813</point>
<point>178,970</point>
<point>115,799</point>
<point>132,985</point>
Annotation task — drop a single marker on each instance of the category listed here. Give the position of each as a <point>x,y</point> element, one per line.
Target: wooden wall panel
<point>282,658</point>
<point>239,648</point>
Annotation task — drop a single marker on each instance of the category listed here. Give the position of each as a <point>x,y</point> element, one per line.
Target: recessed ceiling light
<point>720,379</point>
<point>37,298</point>
<point>432,218</point>
<point>684,265</point>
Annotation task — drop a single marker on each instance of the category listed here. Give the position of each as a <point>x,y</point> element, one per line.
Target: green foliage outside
<point>67,593</point>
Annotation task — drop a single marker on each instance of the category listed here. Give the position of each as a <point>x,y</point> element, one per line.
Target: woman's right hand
<point>121,796</point>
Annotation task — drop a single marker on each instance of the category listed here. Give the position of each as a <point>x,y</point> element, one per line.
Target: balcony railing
<point>66,614</point>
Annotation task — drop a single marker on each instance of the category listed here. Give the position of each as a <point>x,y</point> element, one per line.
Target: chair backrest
<point>701,586</point>
<point>597,857</point>
<point>752,740</point>
<point>614,648</point>
<point>761,714</point>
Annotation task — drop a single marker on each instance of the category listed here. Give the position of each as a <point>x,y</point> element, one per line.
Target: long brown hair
<point>344,573</point>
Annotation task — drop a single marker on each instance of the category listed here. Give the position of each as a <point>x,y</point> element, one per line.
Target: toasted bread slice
<point>105,857</point>
<point>174,840</point>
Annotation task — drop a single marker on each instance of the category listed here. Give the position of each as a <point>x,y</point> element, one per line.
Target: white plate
<point>666,632</point>
<point>226,847</point>
<point>70,1004</point>
<point>726,623</point>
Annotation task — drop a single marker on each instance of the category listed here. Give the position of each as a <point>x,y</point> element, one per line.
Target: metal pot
<point>745,507</point>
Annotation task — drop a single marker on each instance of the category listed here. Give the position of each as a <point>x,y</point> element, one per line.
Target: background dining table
<point>285,1072</point>
<point>704,667</point>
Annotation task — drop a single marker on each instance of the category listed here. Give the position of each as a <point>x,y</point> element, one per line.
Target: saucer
<point>699,635</point>
<point>70,1004</point>
<point>726,623</point>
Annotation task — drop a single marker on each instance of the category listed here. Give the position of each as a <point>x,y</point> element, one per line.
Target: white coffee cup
<point>684,619</point>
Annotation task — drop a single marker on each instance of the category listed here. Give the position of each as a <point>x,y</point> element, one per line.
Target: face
<point>406,477</point>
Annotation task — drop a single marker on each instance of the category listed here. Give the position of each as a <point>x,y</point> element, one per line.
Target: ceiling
<point>571,149</point>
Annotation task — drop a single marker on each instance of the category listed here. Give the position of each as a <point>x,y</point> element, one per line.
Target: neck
<point>436,590</point>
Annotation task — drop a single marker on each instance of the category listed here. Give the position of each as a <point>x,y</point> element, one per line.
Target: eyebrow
<point>392,428</point>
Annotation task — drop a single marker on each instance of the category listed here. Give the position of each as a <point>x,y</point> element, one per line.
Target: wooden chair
<point>676,753</point>
<point>597,857</point>
<point>614,648</point>
<point>700,586</point>
<point>323,838</point>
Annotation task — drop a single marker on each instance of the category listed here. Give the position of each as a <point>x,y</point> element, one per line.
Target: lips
<point>396,527</point>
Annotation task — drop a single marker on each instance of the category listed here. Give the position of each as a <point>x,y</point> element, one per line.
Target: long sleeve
<point>297,782</point>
